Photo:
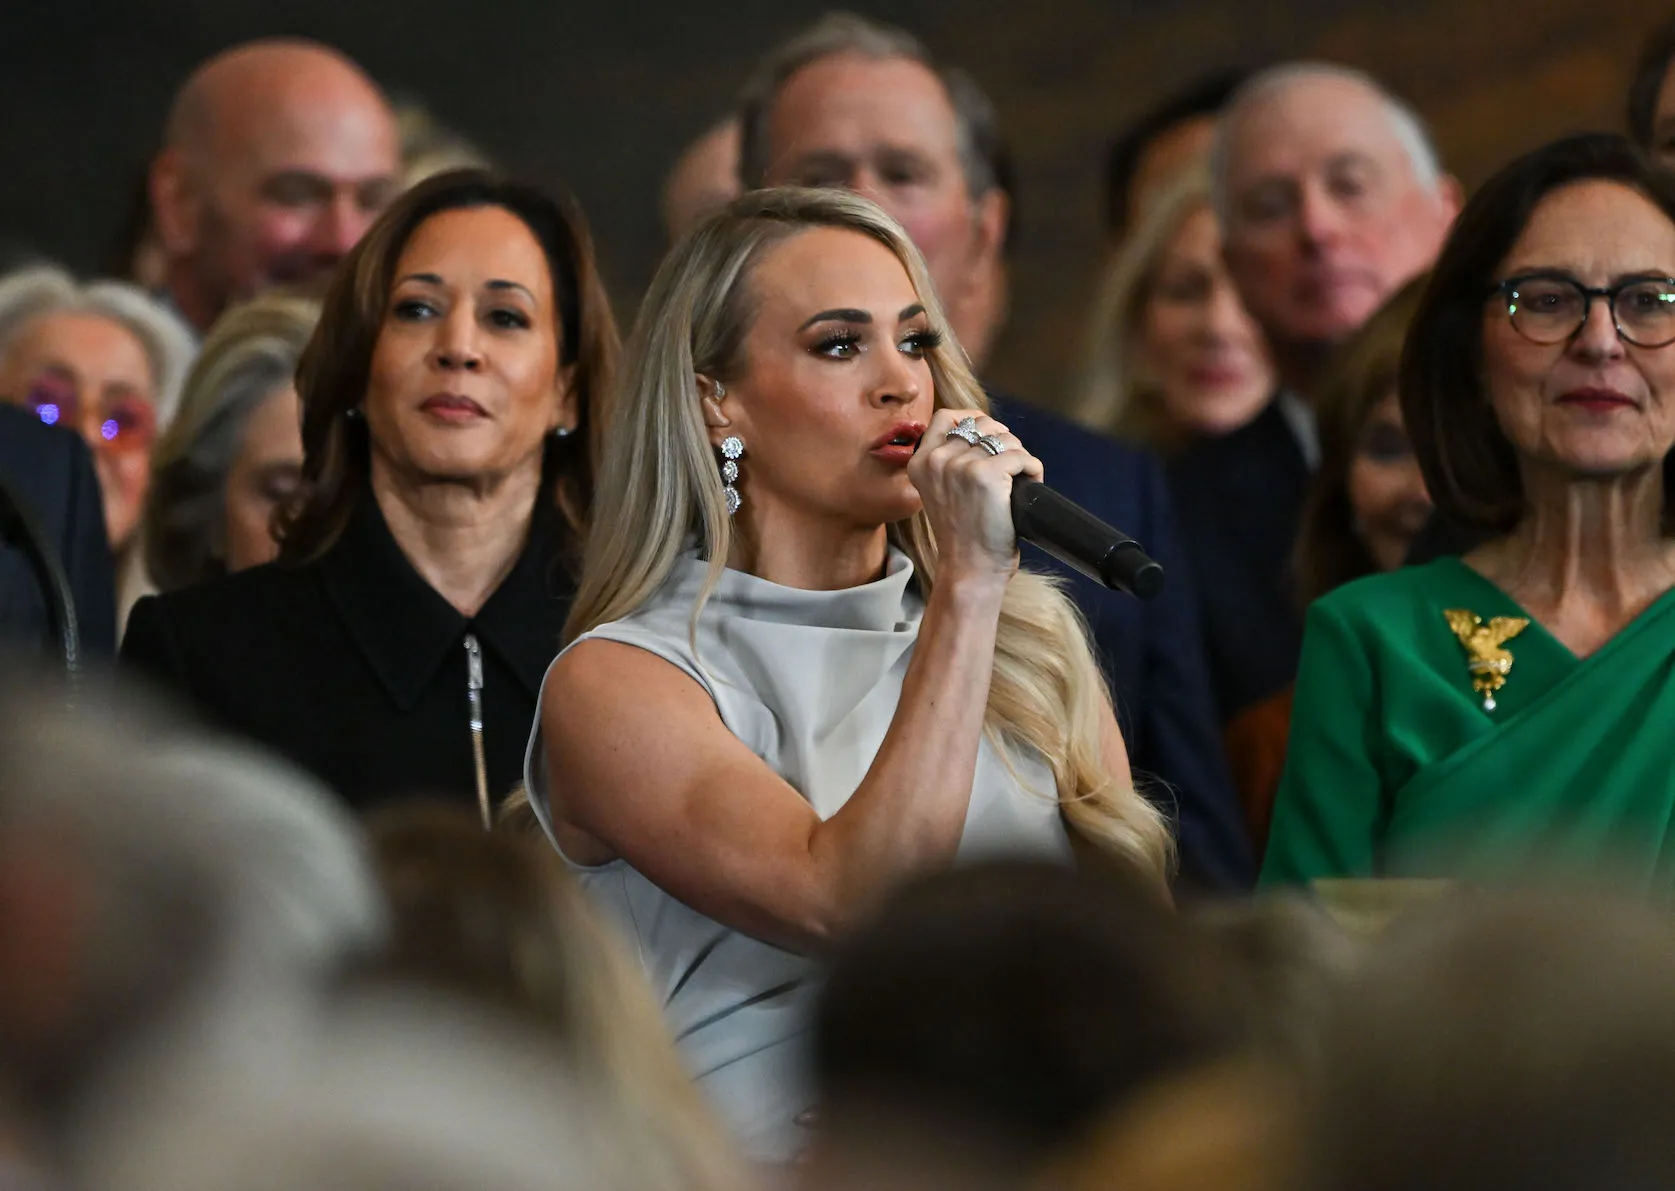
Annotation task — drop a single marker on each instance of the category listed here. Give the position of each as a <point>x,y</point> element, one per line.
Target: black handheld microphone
<point>1078,539</point>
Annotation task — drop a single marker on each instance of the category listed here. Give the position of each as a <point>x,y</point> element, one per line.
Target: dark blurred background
<point>603,96</point>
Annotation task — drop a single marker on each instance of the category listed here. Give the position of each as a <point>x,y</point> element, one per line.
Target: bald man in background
<point>277,156</point>
<point>703,180</point>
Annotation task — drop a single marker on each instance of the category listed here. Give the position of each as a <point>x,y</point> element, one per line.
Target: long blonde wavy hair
<point>660,490</point>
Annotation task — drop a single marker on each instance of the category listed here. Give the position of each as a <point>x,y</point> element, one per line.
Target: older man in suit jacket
<point>859,105</point>
<point>1331,197</point>
<point>47,472</point>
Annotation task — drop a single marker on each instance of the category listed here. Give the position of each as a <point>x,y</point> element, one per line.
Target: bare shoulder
<point>638,756</point>
<point>609,685</point>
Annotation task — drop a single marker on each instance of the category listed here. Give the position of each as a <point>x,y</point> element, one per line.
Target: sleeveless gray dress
<point>809,680</point>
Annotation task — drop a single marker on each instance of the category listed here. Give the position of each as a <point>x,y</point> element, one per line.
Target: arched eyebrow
<point>1565,273</point>
<point>843,314</point>
<point>849,314</point>
<point>492,283</point>
<point>501,283</point>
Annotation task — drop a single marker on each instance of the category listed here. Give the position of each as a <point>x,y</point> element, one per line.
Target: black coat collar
<point>407,631</point>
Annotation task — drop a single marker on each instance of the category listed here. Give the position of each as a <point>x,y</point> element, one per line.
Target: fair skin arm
<point>652,774</point>
<point>725,834</point>
<point>708,821</point>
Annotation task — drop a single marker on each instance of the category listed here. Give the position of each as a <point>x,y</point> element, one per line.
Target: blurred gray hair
<point>169,343</point>
<point>1407,125</point>
<point>845,33</point>
<point>210,870</point>
<point>250,353</point>
<point>390,1089</point>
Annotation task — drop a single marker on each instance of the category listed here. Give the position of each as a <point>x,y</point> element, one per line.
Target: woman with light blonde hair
<point>1172,353</point>
<point>802,663</point>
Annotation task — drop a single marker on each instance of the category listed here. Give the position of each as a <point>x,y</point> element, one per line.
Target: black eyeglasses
<point>1550,308</point>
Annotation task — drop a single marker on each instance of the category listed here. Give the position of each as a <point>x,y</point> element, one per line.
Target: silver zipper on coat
<point>474,695</point>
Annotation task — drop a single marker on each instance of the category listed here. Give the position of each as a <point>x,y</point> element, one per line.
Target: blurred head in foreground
<point>152,880</point>
<point>495,918</point>
<point>422,1093</point>
<point>1527,1043</point>
<point>990,1016</point>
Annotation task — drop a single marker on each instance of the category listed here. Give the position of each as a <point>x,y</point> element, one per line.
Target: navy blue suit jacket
<point>51,471</point>
<point>1151,651</point>
<point>1240,499</point>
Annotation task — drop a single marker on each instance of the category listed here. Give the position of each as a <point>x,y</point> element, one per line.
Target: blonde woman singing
<point>803,664</point>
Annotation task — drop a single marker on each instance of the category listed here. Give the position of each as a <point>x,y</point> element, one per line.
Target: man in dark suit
<point>859,105</point>
<point>1331,197</point>
<point>48,472</point>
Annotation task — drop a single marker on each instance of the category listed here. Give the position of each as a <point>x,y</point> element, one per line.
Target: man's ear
<point>1452,196</point>
<point>175,205</point>
<point>977,308</point>
<point>994,211</point>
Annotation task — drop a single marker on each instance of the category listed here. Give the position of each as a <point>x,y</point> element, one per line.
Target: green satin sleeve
<point>1330,809</point>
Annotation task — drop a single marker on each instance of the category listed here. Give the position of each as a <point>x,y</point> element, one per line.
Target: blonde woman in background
<point>802,664</point>
<point>1172,353</point>
<point>233,453</point>
<point>430,147</point>
<point>104,359</point>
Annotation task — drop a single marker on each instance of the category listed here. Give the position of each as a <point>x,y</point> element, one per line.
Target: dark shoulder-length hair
<point>1468,462</point>
<point>1657,54</point>
<point>332,374</point>
<point>1362,372</point>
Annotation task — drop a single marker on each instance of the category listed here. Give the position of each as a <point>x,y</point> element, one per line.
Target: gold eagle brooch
<point>1487,657</point>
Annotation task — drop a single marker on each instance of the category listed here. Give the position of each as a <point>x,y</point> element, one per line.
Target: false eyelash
<point>837,339</point>
<point>925,341</point>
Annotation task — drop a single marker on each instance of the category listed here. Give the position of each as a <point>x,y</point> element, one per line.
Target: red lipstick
<point>897,446</point>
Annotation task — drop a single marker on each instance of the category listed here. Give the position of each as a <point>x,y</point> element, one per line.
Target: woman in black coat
<point>396,647</point>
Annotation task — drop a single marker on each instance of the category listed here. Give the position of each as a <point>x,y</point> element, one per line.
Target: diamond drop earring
<point>732,450</point>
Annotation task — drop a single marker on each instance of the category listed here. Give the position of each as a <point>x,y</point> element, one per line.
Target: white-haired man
<point>1331,198</point>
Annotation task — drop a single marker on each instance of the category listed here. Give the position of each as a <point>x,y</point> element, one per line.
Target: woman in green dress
<point>1512,712</point>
